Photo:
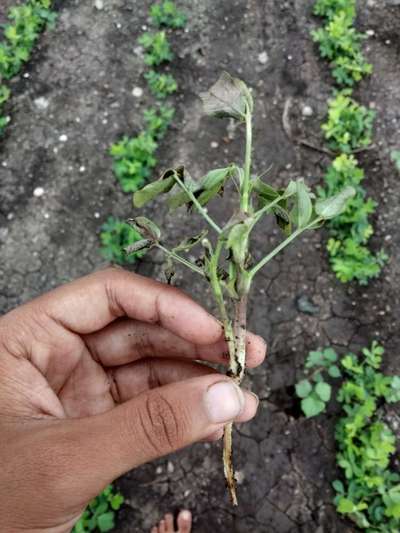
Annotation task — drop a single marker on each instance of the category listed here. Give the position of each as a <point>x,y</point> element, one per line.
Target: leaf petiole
<point>180,259</point>
<point>199,207</point>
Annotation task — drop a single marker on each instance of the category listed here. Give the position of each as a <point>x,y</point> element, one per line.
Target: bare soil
<point>84,71</point>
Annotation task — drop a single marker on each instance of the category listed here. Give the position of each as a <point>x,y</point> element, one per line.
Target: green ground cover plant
<point>369,491</point>
<point>157,48</point>
<point>349,124</point>
<point>161,85</point>
<point>340,42</point>
<point>168,15</point>
<point>347,130</point>
<point>115,236</point>
<point>100,514</point>
<point>225,260</point>
<point>20,34</point>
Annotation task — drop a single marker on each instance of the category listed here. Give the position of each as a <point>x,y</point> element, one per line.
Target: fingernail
<point>224,402</point>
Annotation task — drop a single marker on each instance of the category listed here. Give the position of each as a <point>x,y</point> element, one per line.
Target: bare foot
<point>166,525</point>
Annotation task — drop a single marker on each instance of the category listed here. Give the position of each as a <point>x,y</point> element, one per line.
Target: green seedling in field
<point>369,492</point>
<point>27,21</point>
<point>100,513</point>
<point>340,43</point>
<point>330,8</point>
<point>168,15</point>
<point>134,160</point>
<point>351,231</point>
<point>115,236</point>
<point>349,124</point>
<point>161,85</point>
<point>157,120</point>
<point>157,48</point>
<point>4,96</point>
<point>225,259</point>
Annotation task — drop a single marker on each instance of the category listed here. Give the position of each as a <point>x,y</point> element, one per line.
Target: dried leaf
<point>228,97</point>
<point>145,227</point>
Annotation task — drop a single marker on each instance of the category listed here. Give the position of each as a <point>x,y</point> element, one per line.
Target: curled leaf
<point>163,185</point>
<point>304,207</point>
<point>237,241</point>
<point>146,228</point>
<point>228,97</point>
<point>138,246</point>
<point>191,242</point>
<point>335,205</point>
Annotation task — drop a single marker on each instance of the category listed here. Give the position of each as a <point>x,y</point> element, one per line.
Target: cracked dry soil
<point>85,70</point>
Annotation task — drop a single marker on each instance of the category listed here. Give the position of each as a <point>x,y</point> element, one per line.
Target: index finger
<point>90,303</point>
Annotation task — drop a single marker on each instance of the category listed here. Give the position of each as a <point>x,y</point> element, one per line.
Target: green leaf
<point>338,486</point>
<point>146,228</point>
<point>324,391</point>
<point>228,97</point>
<point>335,205</point>
<point>304,205</point>
<point>346,506</point>
<point>334,371</point>
<point>303,388</point>
<point>116,501</point>
<point>265,191</point>
<point>105,522</point>
<point>312,406</point>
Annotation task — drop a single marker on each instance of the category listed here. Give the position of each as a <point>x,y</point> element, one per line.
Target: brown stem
<point>237,366</point>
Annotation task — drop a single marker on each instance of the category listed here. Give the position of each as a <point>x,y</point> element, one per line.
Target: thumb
<point>158,422</point>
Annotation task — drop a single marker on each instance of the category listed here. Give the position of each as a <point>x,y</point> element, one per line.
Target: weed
<point>167,14</point>
<point>157,48</point>
<point>225,262</point>
<point>115,236</point>
<point>100,513</point>
<point>161,85</point>
<point>330,8</point>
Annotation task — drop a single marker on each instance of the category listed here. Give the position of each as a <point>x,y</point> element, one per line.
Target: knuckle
<point>162,424</point>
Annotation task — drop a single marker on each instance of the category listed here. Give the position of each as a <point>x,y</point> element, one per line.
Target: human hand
<point>98,377</point>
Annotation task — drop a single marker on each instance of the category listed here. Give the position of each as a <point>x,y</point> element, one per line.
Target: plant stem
<point>245,190</point>
<point>199,207</point>
<point>180,259</point>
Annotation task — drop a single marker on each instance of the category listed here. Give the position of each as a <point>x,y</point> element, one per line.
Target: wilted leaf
<point>265,191</point>
<point>283,219</point>
<point>304,204</point>
<point>145,227</point>
<point>215,177</point>
<point>228,97</point>
<point>335,205</point>
<point>237,241</point>
<point>188,244</point>
<point>138,246</point>
<point>163,185</point>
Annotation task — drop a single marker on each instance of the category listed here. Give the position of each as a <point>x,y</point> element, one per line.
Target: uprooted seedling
<point>225,260</point>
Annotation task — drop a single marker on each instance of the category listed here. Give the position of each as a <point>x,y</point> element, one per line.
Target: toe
<point>185,522</point>
<point>169,523</point>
